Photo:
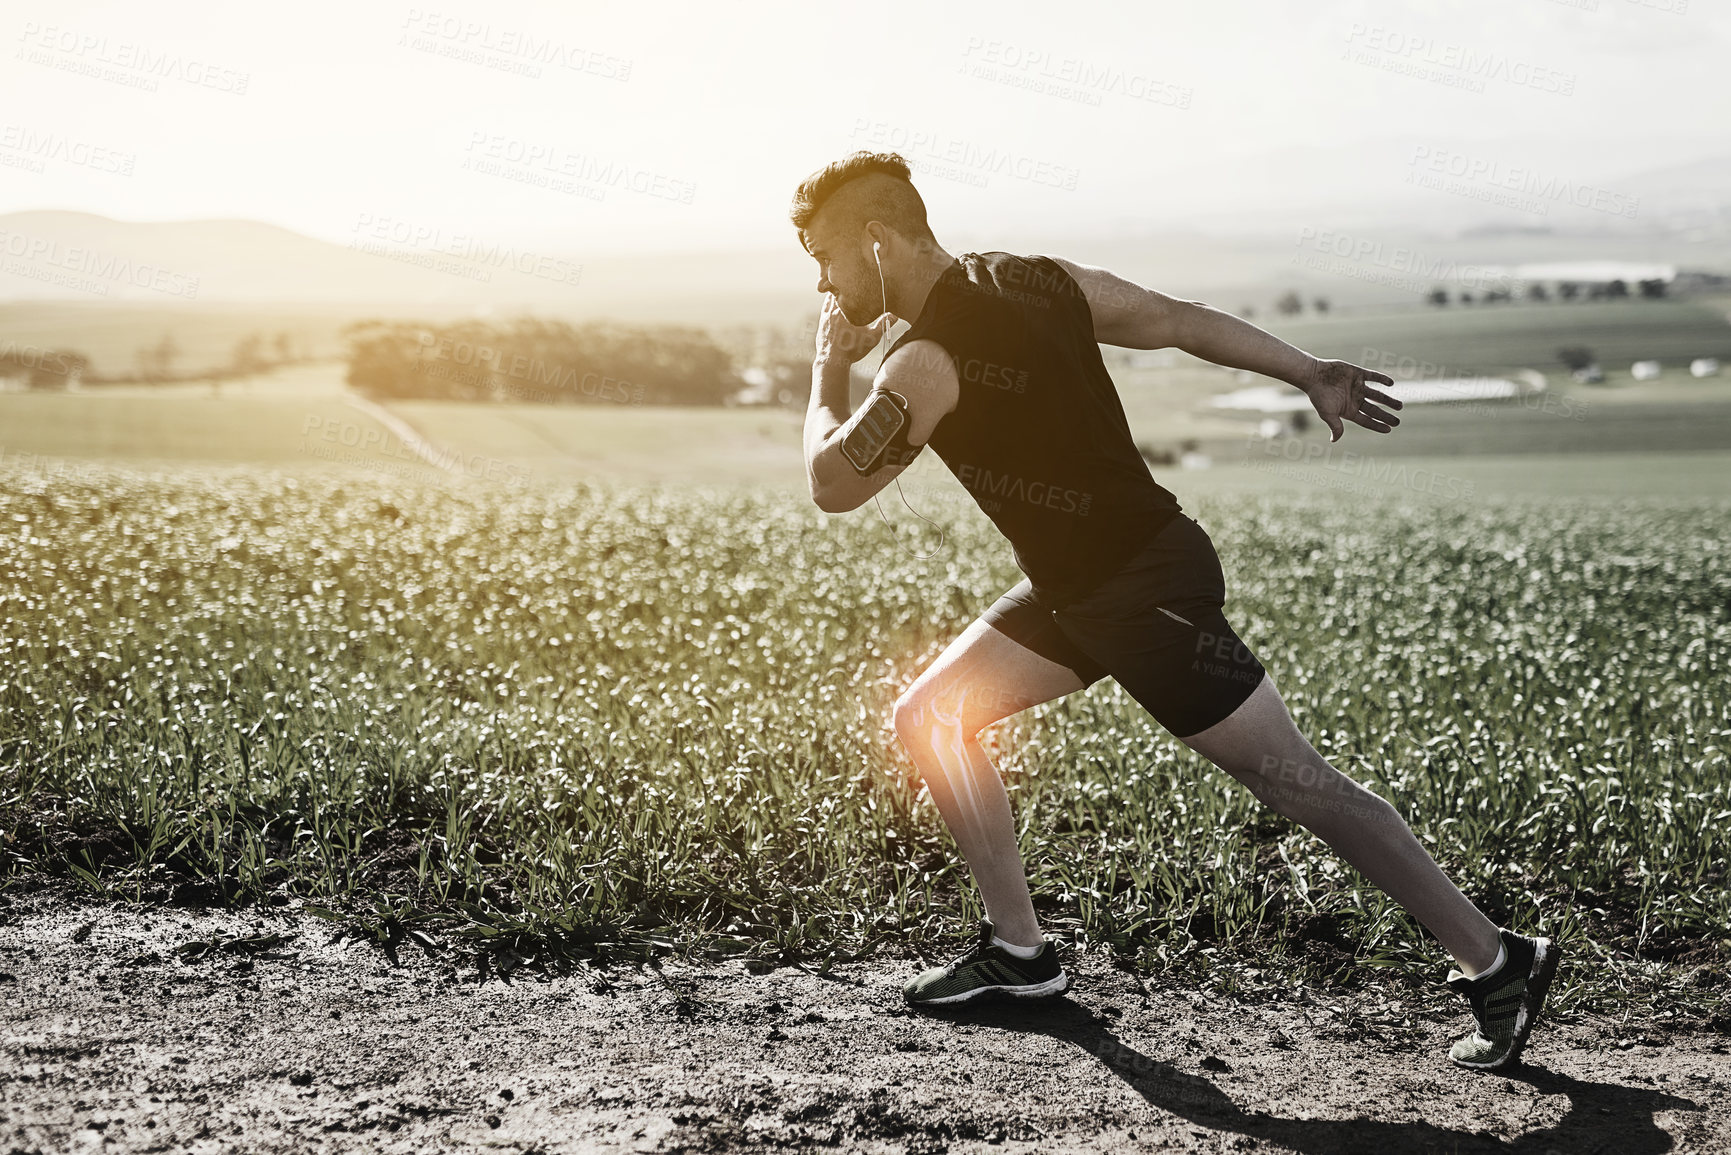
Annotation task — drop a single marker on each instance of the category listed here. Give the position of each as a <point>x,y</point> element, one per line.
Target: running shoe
<point>1506,1003</point>
<point>984,968</point>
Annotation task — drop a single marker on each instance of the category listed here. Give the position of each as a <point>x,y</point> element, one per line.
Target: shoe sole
<point>1545,959</point>
<point>1052,986</point>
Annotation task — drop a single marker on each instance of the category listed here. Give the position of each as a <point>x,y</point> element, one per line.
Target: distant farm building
<point>1285,399</point>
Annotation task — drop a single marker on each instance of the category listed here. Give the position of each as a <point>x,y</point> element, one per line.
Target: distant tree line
<point>253,353</point>
<point>40,368</point>
<point>1614,290</point>
<point>256,352</point>
<point>1291,304</point>
<point>542,361</point>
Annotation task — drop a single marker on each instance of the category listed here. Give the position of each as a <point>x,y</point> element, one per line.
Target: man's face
<point>845,268</point>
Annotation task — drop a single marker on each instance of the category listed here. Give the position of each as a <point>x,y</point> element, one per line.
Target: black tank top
<point>1038,436</point>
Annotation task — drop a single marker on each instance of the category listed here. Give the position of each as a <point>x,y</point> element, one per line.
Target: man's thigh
<point>993,670</point>
<point>1159,628</point>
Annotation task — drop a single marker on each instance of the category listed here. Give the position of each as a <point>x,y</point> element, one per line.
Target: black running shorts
<point>1155,627</point>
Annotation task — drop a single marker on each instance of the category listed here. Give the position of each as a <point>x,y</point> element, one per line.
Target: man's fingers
<point>1373,375</point>
<point>1379,395</point>
<point>1369,410</point>
<point>1371,423</point>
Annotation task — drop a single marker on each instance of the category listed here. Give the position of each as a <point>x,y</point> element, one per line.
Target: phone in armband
<point>865,445</point>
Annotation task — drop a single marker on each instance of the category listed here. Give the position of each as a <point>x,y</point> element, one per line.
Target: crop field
<point>592,720</point>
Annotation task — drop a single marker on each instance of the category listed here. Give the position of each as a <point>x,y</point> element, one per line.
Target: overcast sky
<point>612,127</point>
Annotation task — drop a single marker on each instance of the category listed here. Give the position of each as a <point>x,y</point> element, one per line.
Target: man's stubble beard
<point>848,313</point>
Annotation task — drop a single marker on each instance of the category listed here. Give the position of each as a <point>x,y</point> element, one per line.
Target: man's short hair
<point>884,194</point>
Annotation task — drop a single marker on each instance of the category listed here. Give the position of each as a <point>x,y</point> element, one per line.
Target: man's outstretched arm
<point>1135,317</point>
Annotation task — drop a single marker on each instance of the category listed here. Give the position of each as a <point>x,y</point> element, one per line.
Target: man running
<point>1001,375</point>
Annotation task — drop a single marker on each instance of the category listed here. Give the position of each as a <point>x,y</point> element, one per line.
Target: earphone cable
<point>884,354</point>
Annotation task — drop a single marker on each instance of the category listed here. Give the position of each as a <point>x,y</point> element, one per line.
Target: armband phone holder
<point>882,423</point>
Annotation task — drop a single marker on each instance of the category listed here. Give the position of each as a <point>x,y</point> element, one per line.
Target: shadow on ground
<point>1602,1117</point>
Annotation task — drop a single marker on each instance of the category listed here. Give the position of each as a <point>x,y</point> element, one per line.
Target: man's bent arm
<point>825,414</point>
<point>922,373</point>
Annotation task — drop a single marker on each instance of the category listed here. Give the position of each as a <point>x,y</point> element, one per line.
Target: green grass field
<point>1593,438</point>
<point>70,428</point>
<point>580,718</point>
<point>607,683</point>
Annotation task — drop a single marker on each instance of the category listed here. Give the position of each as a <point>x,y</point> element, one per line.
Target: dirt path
<point>112,1039</point>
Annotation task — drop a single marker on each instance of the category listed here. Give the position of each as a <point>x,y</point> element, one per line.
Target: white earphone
<point>884,289</point>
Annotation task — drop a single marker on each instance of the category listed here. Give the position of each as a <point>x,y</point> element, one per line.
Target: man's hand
<point>1337,389</point>
<point>840,341</point>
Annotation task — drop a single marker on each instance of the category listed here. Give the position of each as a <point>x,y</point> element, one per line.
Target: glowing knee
<point>948,744</point>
